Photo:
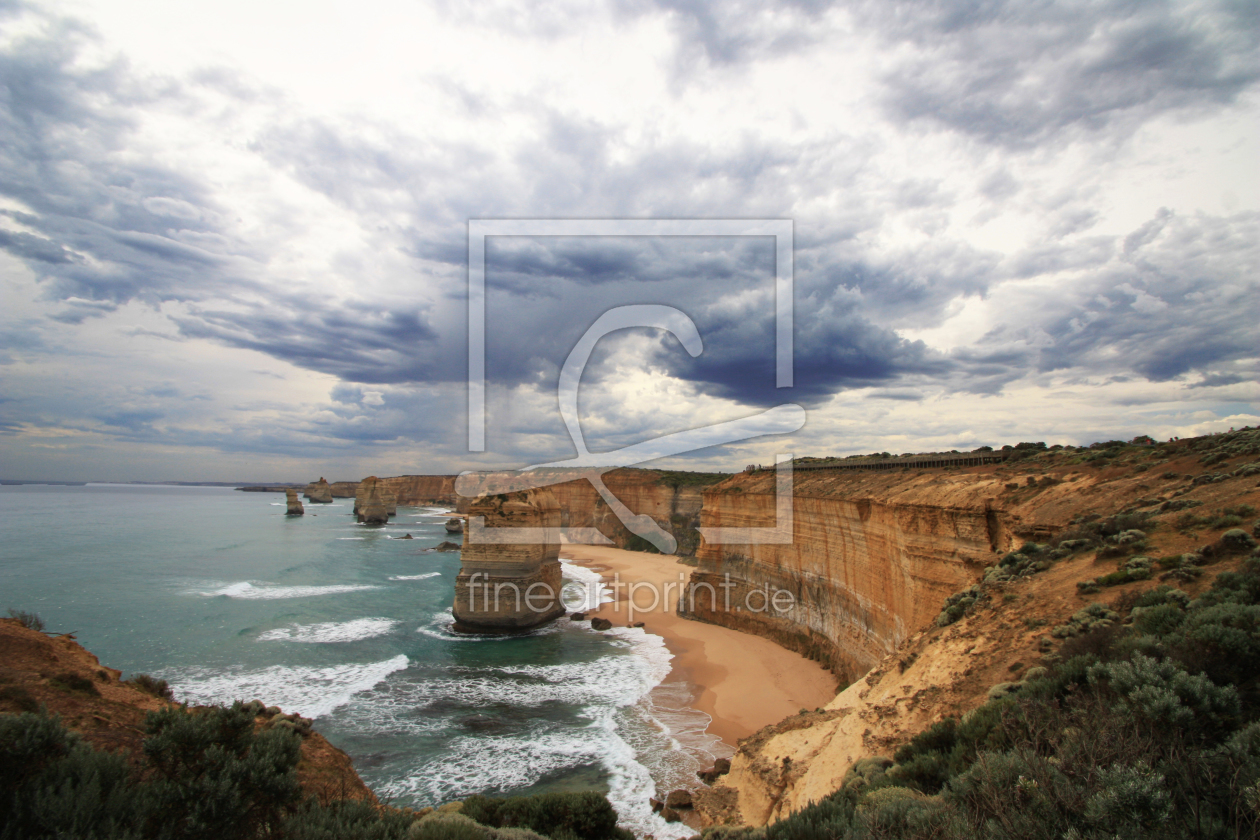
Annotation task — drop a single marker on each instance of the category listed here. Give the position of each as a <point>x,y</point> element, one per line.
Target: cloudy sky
<point>234,236</point>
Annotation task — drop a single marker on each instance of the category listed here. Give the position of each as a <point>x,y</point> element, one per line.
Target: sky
<point>234,236</point>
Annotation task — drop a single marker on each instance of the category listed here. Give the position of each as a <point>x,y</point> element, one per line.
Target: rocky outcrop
<point>505,585</point>
<point>372,510</point>
<point>319,491</point>
<point>293,503</point>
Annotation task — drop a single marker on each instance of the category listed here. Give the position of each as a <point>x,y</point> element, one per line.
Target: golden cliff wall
<point>872,558</point>
<point>673,500</point>
<point>406,489</point>
<point>676,508</point>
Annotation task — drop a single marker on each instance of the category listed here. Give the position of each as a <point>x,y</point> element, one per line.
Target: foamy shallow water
<point>227,598</point>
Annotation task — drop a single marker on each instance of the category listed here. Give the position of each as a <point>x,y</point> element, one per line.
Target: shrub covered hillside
<point>208,773</point>
<point>1146,726</point>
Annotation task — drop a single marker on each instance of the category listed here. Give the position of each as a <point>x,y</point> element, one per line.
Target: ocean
<point>221,594</point>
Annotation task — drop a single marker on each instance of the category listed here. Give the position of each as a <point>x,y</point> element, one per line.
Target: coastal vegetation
<point>1146,726</point>
<point>211,772</point>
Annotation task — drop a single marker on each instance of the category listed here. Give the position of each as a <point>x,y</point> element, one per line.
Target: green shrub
<point>29,620</point>
<point>18,696</point>
<point>829,819</point>
<point>448,826</point>
<point>345,820</point>
<point>151,685</point>
<point>74,683</point>
<point>1164,693</point>
<point>1132,803</point>
<point>560,816</point>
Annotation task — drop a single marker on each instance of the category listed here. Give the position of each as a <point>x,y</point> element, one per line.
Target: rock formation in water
<point>294,503</point>
<point>505,585</point>
<point>320,491</point>
<point>372,510</point>
<point>380,487</point>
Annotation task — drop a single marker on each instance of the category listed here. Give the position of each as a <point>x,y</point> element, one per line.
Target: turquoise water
<point>220,593</point>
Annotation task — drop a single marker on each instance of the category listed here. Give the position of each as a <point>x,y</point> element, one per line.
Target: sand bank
<point>743,682</point>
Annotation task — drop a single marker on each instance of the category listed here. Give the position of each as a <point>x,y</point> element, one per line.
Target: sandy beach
<point>743,682</point>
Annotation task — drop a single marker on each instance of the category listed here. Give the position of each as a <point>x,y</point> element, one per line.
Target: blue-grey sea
<point>221,594</point>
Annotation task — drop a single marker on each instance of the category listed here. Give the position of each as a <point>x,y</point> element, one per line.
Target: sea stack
<point>294,503</point>
<point>372,510</point>
<point>320,492</point>
<point>506,586</point>
<point>370,485</point>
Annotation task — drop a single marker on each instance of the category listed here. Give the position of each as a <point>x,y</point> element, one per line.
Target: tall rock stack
<point>294,503</point>
<point>320,491</point>
<point>505,586</point>
<point>372,510</point>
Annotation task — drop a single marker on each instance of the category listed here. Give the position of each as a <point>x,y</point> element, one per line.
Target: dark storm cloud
<point>1178,295</point>
<point>1019,74</point>
<point>1160,304</point>
<point>358,342</point>
<point>26,246</point>
<point>110,227</point>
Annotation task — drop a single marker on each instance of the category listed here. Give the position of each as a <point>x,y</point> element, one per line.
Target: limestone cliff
<point>403,489</point>
<point>293,503</point>
<point>504,584</point>
<point>873,558</point>
<point>671,499</point>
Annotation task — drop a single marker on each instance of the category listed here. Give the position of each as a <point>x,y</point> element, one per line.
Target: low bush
<point>29,620</point>
<point>74,683</point>
<point>560,816</point>
<point>18,697</point>
<point>151,685</point>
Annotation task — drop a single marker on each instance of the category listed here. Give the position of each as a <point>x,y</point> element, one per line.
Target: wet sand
<point>743,682</point>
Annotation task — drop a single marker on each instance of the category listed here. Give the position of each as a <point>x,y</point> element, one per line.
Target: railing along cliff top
<point>970,459</point>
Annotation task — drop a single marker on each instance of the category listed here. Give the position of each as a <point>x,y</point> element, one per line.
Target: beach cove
<point>742,682</point>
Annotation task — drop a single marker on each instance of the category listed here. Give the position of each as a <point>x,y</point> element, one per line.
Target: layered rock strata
<point>673,505</point>
<point>364,492</point>
<point>319,491</point>
<point>871,559</point>
<point>293,503</point>
<point>505,585</point>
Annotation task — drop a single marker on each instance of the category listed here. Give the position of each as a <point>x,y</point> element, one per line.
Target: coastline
<point>742,682</point>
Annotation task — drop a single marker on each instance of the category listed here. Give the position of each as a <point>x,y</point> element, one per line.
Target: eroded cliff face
<point>405,489</point>
<point>674,507</point>
<point>871,559</point>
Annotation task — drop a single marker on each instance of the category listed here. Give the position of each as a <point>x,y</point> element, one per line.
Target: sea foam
<point>266,592</point>
<point>311,692</point>
<point>415,577</point>
<point>333,631</point>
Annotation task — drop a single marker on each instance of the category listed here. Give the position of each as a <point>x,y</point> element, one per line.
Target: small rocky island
<point>294,504</point>
<point>507,586</point>
<point>320,492</point>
